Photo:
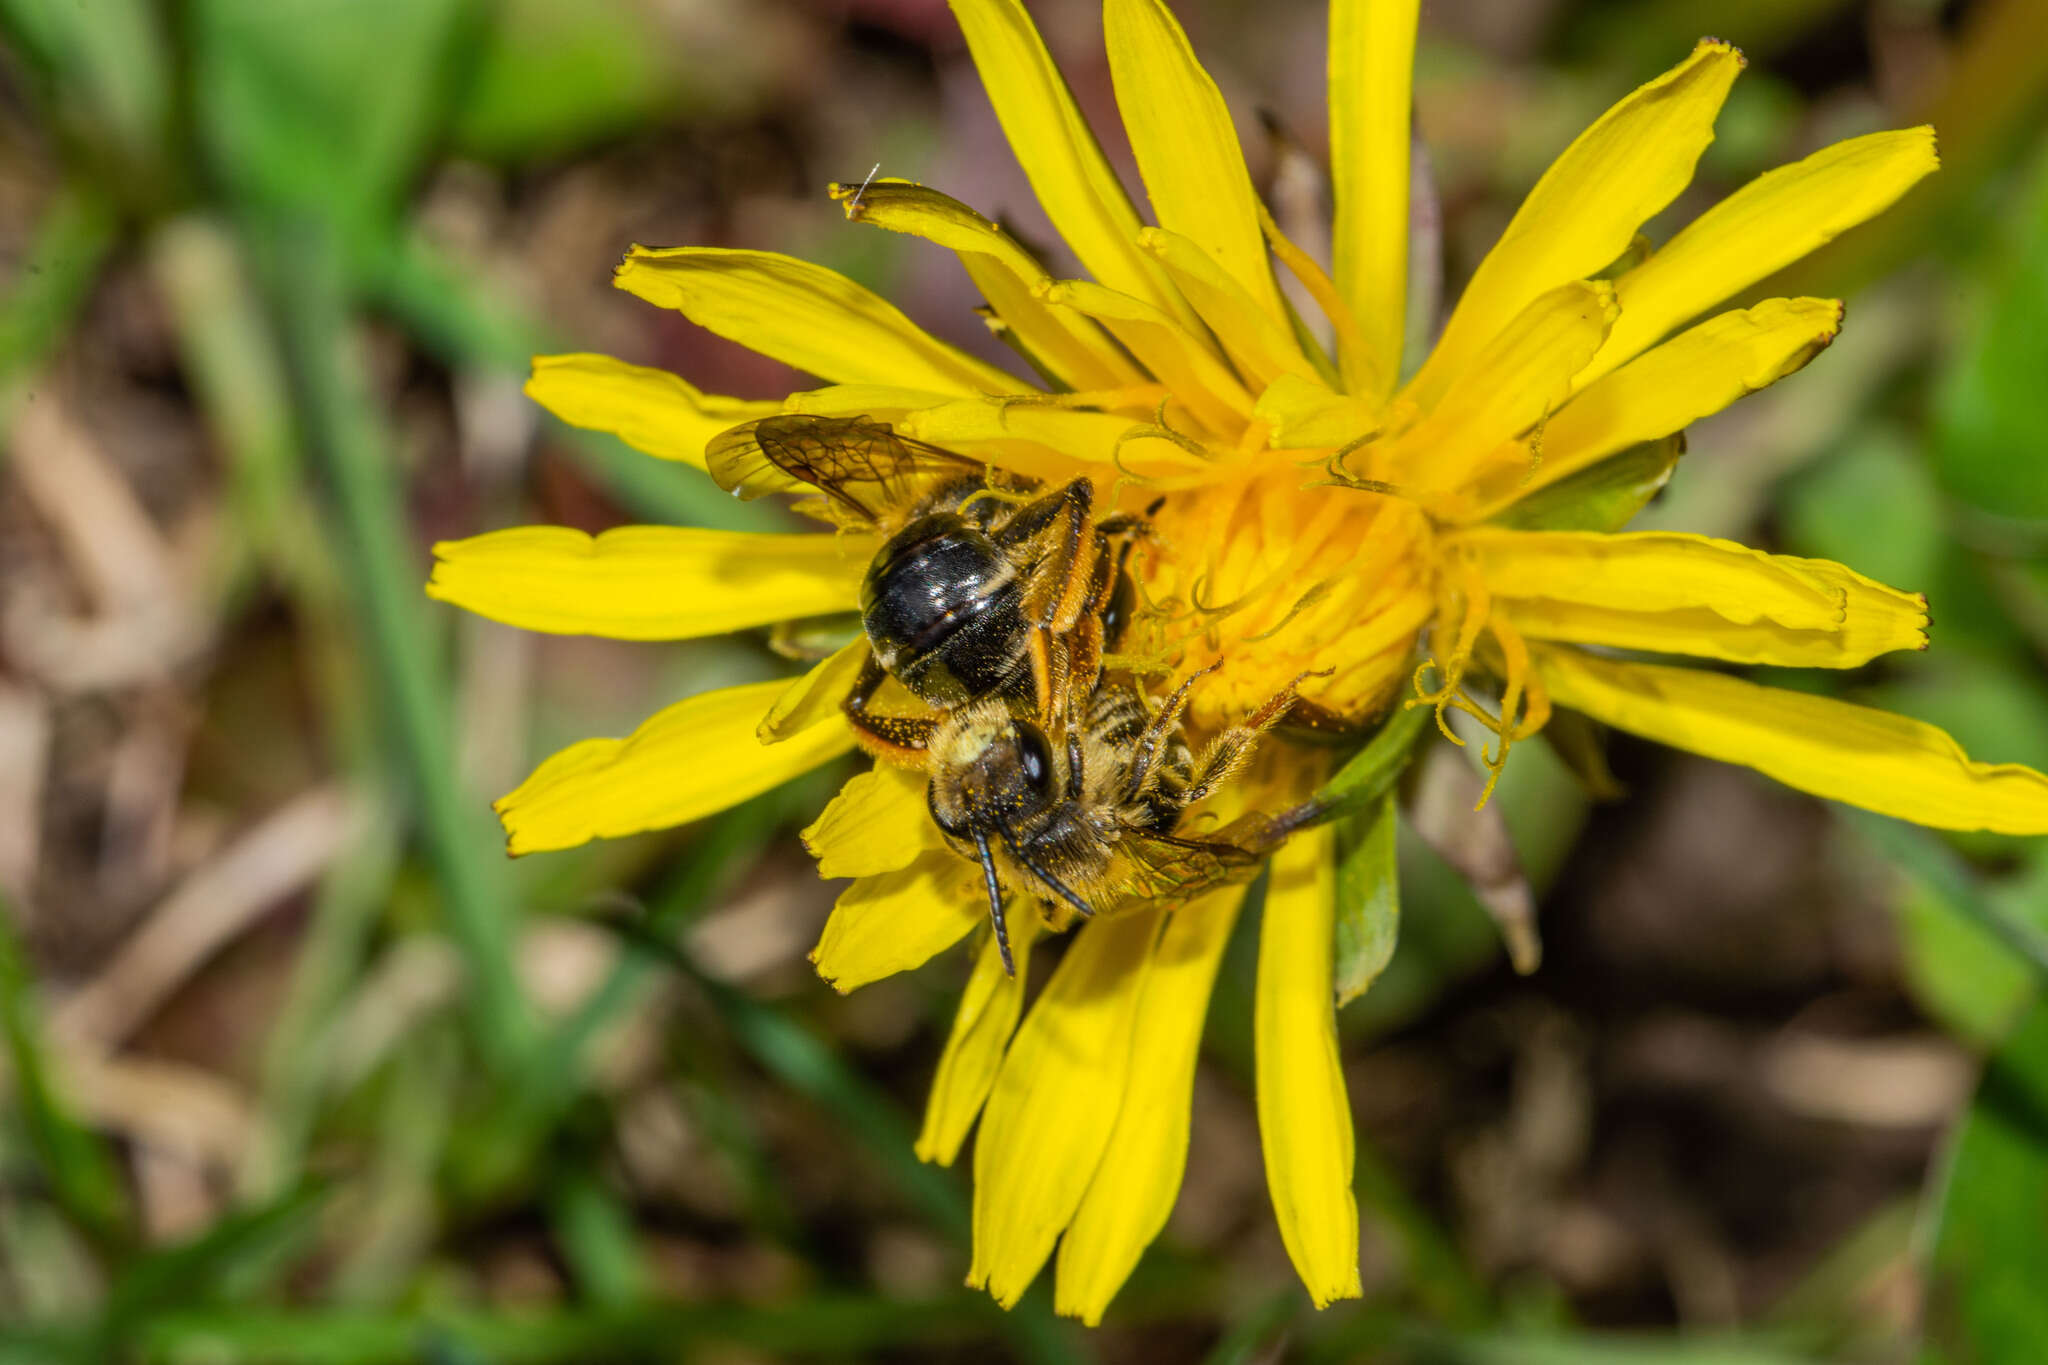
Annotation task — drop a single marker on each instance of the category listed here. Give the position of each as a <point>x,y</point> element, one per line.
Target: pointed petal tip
<point>1721,45</point>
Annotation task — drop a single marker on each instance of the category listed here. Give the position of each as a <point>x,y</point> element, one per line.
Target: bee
<point>1095,814</point>
<point>986,588</point>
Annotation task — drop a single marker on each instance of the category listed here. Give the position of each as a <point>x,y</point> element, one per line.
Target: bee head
<point>992,771</point>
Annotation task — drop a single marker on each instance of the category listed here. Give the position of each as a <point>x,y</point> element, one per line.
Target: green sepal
<point>1368,899</point>
<point>1604,497</point>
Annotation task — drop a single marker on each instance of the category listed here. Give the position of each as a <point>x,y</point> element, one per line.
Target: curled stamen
<point>1198,589</point>
<point>1316,593</point>
<point>1524,705</point>
<point>1156,432</point>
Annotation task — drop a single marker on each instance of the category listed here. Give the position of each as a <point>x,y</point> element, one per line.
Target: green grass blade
<point>81,1171</point>
<point>235,1258</point>
<point>834,1326</point>
<point>50,284</point>
<point>795,1056</point>
<point>310,300</point>
<point>1925,858</point>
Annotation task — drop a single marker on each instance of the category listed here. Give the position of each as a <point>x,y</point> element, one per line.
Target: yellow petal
<point>1304,1113</point>
<point>1372,56</point>
<point>1182,361</point>
<point>1045,441</point>
<point>1007,275</point>
<point>1058,151</point>
<point>1055,1102</point>
<point>1857,754</point>
<point>1766,225</point>
<point>877,823</point>
<point>974,1049</point>
<point>1186,145</point>
<point>898,920</point>
<point>648,582</point>
<point>1261,347</point>
<point>804,315</point>
<point>816,696</point>
<point>1518,379</point>
<point>685,762</point>
<point>1302,415</point>
<point>1694,374</point>
<point>1135,1186</point>
<point>650,410</point>
<point>1686,594</point>
<point>1584,212</point>
<point>883,402</point>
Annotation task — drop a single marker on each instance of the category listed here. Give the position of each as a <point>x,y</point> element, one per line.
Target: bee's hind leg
<point>1058,592</point>
<point>1232,749</point>
<point>901,740</point>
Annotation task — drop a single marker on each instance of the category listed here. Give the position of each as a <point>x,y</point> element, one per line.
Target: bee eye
<point>1034,755</point>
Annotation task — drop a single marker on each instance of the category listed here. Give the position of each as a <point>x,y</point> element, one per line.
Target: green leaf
<point>1367,775</point>
<point>1931,863</point>
<point>104,72</point>
<point>1990,1232</point>
<point>326,107</point>
<point>1605,497</point>
<point>1368,899</point>
<point>1994,406</point>
<point>551,76</point>
<point>1872,505</point>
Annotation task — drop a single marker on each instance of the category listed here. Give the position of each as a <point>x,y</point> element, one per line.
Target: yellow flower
<point>1321,512</point>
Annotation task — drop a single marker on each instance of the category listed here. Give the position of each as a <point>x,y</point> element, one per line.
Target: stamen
<point>1524,704</point>
<point>1316,593</point>
<point>1136,396</point>
<point>1160,432</point>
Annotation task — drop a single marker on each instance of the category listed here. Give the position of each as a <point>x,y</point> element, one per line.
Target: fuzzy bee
<point>1093,814</point>
<point>986,588</point>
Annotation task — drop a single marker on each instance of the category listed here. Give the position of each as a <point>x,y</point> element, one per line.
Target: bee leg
<point>1056,594</point>
<point>1084,656</point>
<point>1146,751</point>
<point>1230,750</point>
<point>896,739</point>
<point>1076,784</point>
<point>1050,676</point>
<point>995,901</point>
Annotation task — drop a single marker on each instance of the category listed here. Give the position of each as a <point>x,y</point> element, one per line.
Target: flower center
<point>1269,580</point>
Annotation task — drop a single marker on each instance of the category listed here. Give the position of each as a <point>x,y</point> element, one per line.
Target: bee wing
<point>863,466</point>
<point>1172,866</point>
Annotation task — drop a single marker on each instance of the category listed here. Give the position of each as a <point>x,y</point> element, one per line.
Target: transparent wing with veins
<point>867,472</point>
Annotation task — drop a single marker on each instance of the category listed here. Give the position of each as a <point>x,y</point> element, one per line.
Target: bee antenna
<point>995,901</point>
<point>1052,883</point>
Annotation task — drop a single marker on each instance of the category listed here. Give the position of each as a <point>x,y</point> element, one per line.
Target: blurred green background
<point>299,1068</point>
